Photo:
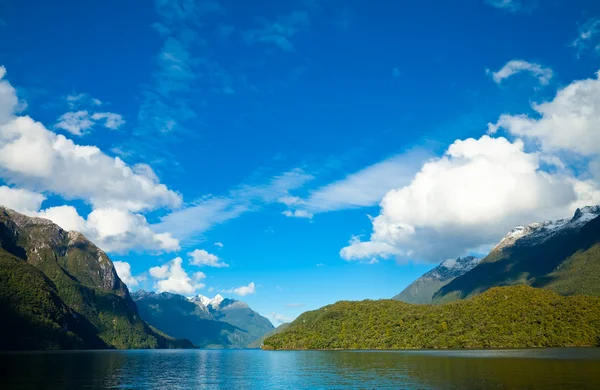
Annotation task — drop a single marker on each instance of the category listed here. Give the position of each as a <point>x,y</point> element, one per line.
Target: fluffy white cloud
<point>113,230</point>
<point>517,66</point>
<point>20,200</point>
<point>370,250</point>
<point>124,271</point>
<point>467,199</point>
<point>173,278</point>
<point>568,122</point>
<point>35,158</point>
<point>243,290</point>
<point>363,188</point>
<point>200,257</point>
<point>36,161</point>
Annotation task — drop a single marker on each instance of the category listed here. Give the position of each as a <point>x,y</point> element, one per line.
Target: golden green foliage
<point>502,317</point>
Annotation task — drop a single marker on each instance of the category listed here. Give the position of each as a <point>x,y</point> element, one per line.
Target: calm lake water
<point>255,369</point>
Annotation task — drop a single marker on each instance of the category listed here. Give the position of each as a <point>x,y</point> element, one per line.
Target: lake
<point>255,369</point>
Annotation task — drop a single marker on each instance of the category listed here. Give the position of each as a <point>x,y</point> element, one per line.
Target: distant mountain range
<point>60,291</point>
<point>209,323</point>
<point>563,256</point>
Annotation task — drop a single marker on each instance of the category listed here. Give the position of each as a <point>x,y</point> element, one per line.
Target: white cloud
<point>568,122</point>
<point>173,278</point>
<point>200,257</point>
<point>517,66</point>
<point>124,271</point>
<point>35,158</point>
<point>360,189</point>
<point>361,250</point>
<point>508,5</point>
<point>20,200</point>
<point>465,200</point>
<point>113,230</point>
<point>111,120</point>
<point>75,122</point>
<point>243,290</point>
<point>79,122</point>
<point>219,245</point>
<point>8,98</point>
<point>588,37</point>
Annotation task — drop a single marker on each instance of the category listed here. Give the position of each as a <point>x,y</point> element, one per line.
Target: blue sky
<point>287,140</point>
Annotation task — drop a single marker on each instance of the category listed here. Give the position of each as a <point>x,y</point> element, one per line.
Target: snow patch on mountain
<point>451,268</point>
<point>538,232</point>
<point>206,301</point>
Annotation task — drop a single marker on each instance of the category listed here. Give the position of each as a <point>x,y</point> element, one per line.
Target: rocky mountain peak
<point>538,232</point>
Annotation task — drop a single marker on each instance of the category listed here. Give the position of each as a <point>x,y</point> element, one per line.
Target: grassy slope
<point>502,317</point>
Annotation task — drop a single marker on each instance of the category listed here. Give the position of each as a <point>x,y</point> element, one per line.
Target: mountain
<point>259,342</point>
<point>422,289</point>
<point>60,291</point>
<point>239,314</point>
<point>502,317</point>
<point>209,323</point>
<point>562,256</point>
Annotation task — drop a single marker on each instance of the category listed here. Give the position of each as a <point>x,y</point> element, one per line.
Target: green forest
<point>502,317</point>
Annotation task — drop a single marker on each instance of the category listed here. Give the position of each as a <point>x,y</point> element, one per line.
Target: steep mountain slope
<point>562,256</point>
<point>502,317</point>
<point>208,323</point>
<point>75,292</point>
<point>259,342</point>
<point>422,289</point>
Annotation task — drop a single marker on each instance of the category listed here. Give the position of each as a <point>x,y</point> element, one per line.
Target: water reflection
<point>248,369</point>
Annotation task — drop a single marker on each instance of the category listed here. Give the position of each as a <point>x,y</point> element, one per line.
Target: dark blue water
<point>255,369</point>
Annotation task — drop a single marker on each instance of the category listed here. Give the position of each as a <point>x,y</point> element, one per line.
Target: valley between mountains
<point>538,287</point>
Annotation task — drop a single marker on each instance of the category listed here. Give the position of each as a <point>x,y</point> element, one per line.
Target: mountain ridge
<point>556,255</point>
<point>210,323</point>
<point>423,288</point>
<point>84,303</point>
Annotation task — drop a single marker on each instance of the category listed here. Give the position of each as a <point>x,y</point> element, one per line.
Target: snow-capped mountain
<point>422,289</point>
<point>216,322</point>
<point>538,232</point>
<point>206,301</point>
<point>562,256</point>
